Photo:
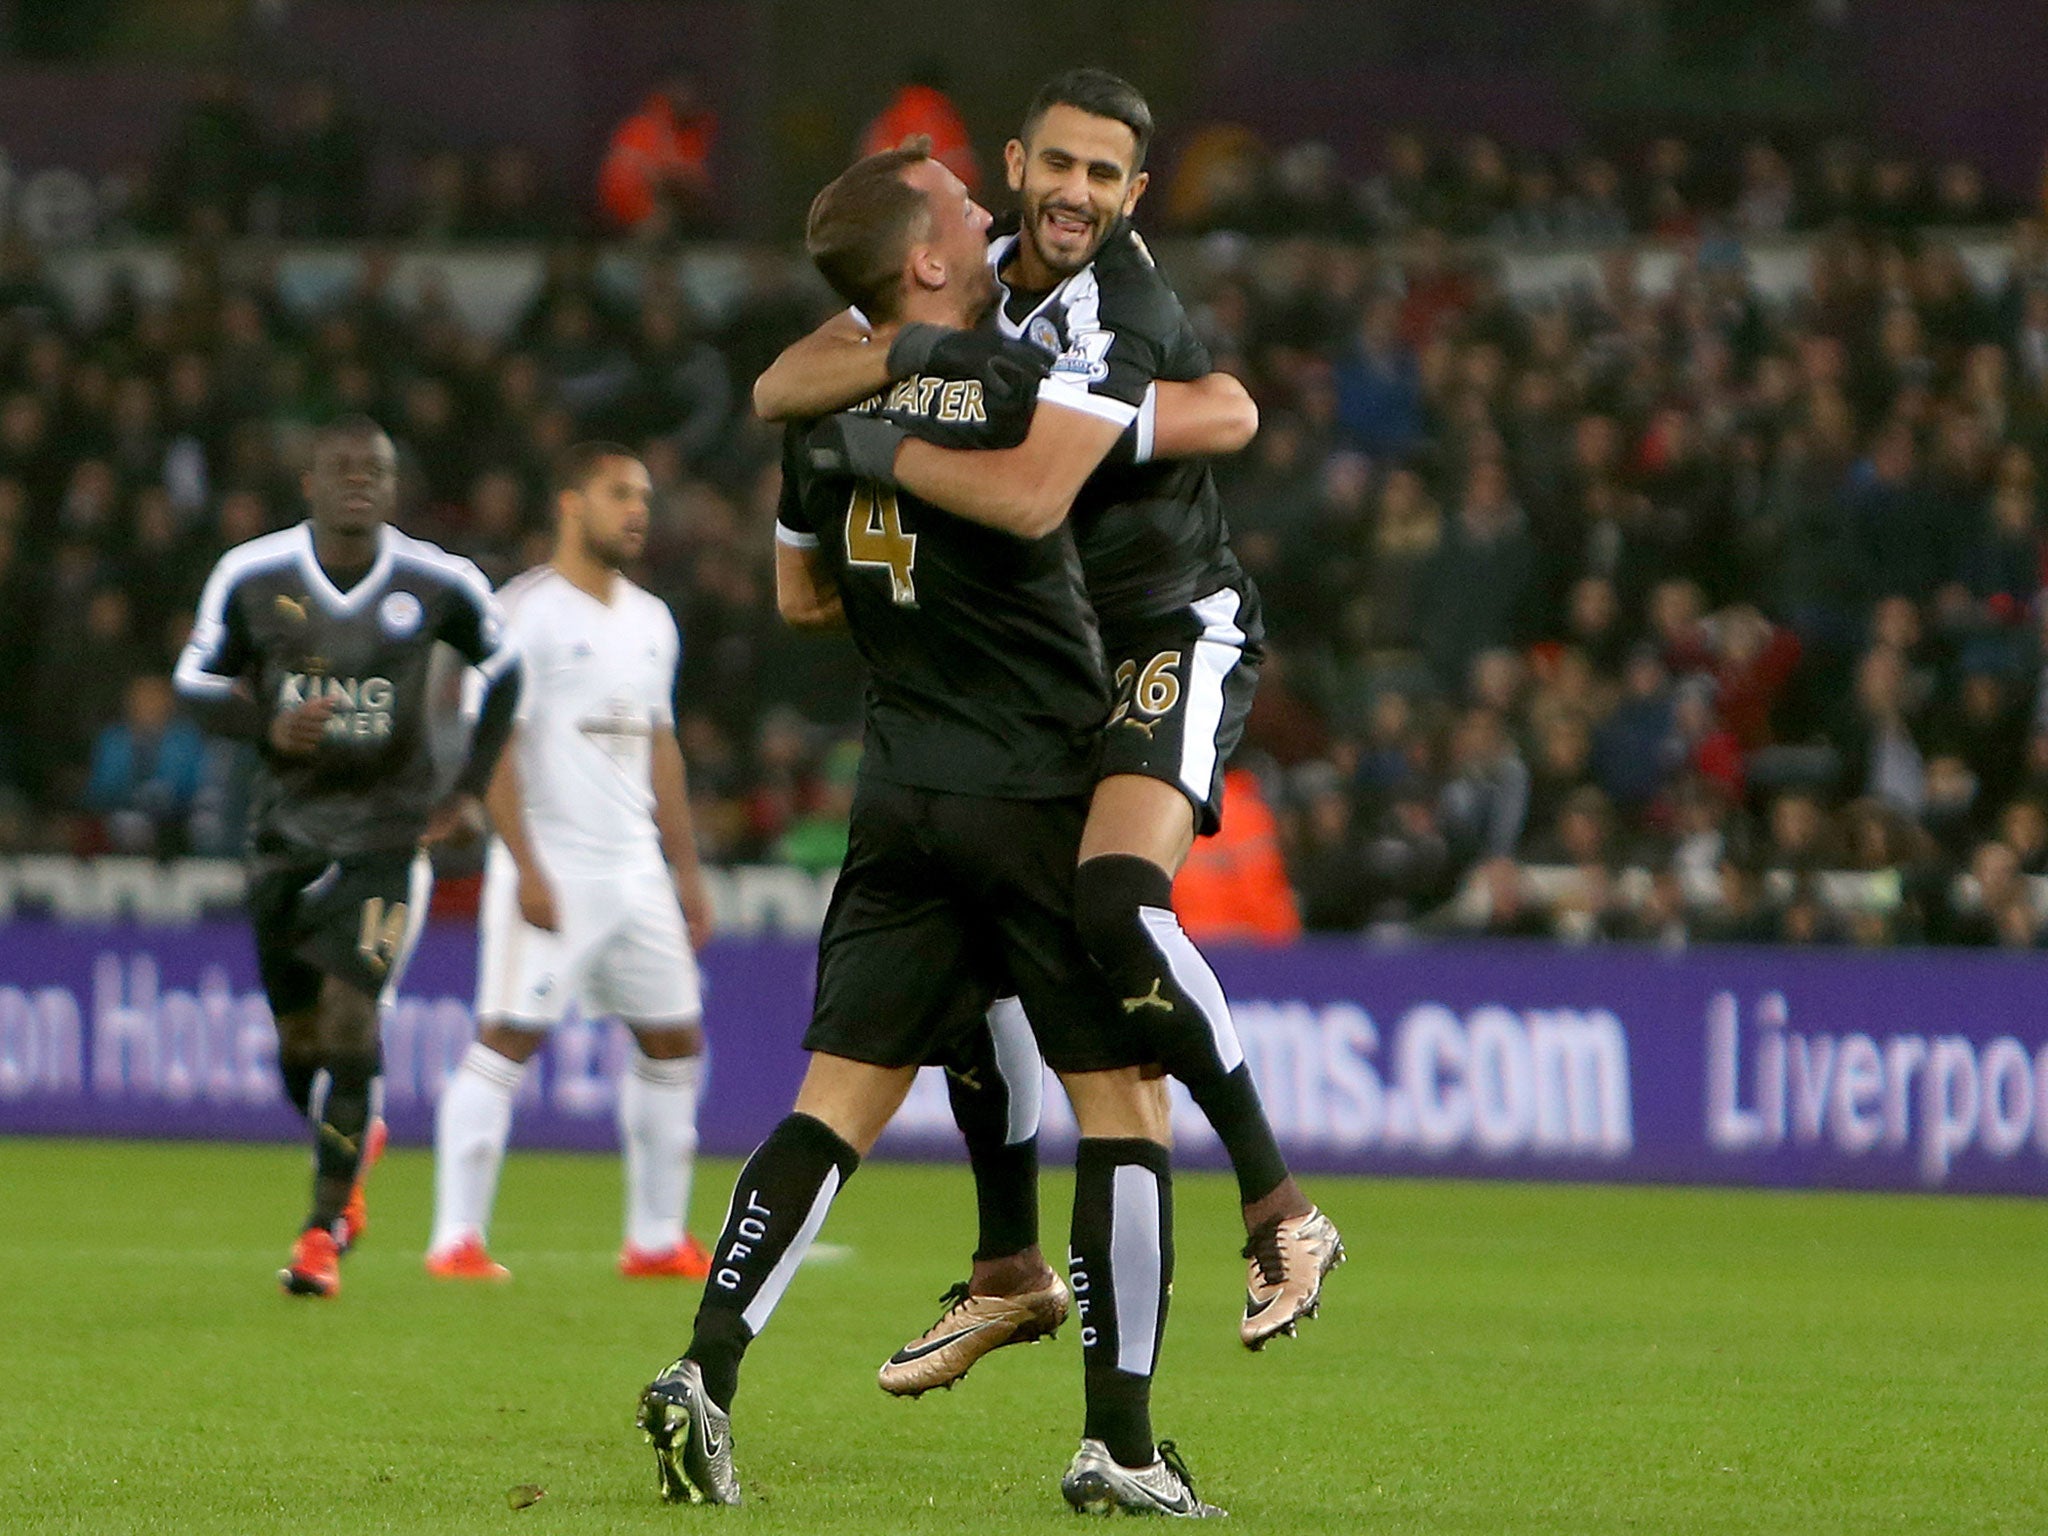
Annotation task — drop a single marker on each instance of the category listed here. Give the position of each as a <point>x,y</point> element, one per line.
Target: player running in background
<point>315,644</point>
<point>590,882</point>
<point>1180,624</point>
<point>984,706</point>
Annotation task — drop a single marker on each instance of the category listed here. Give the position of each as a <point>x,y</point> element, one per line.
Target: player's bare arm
<point>505,800</point>
<point>844,362</point>
<point>679,835</point>
<point>1025,490</point>
<point>1204,418</point>
<point>459,818</point>
<point>805,594</point>
<point>839,364</point>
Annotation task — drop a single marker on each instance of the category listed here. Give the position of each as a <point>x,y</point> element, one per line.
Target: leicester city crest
<point>1043,334</point>
<point>399,614</point>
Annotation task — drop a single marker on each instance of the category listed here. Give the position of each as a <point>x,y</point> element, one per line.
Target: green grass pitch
<point>1495,1358</point>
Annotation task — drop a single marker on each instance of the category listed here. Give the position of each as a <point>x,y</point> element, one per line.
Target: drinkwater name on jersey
<point>362,705</point>
<point>953,401</point>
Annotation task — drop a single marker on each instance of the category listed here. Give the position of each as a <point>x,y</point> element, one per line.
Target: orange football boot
<point>686,1261</point>
<point>467,1260</point>
<point>315,1269</point>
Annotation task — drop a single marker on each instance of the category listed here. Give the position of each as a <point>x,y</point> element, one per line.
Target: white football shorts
<point>622,949</point>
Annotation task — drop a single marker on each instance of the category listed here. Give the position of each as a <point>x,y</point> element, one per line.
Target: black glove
<point>861,446</point>
<point>1009,393</point>
<point>950,354</point>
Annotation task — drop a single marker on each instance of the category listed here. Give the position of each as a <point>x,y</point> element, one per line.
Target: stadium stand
<point>1652,550</point>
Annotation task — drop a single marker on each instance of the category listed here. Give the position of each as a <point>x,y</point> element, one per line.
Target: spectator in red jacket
<point>1233,888</point>
<point>656,176</point>
<point>1755,664</point>
<point>921,108</point>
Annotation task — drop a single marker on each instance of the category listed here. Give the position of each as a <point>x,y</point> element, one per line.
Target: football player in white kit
<point>591,884</point>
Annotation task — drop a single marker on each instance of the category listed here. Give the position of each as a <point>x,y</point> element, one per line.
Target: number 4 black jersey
<point>271,621</point>
<point>1152,535</point>
<point>985,672</point>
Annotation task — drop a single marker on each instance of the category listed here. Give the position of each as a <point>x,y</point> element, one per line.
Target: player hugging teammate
<point>1128,407</point>
<point>969,827</point>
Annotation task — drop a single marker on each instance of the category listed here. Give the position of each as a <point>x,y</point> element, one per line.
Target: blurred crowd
<point>137,446</point>
<point>298,162</point>
<point>1618,615</point>
<point>1671,188</point>
<point>1601,613</point>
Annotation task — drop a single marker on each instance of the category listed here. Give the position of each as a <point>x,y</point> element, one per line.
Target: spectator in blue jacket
<point>1630,757</point>
<point>147,768</point>
<point>1379,386</point>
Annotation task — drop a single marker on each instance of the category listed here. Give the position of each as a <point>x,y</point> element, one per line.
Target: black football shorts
<point>1184,684</point>
<point>354,918</point>
<point>944,902</point>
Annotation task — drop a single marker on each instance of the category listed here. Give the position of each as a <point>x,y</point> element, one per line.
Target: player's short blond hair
<point>862,225</point>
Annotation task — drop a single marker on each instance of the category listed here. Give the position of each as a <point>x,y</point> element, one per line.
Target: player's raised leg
<point>1139,832</point>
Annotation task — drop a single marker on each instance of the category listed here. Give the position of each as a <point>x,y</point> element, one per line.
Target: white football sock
<point>658,1133</point>
<point>470,1127</point>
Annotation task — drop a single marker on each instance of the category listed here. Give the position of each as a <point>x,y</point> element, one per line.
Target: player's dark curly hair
<point>1098,93</point>
<point>861,227</point>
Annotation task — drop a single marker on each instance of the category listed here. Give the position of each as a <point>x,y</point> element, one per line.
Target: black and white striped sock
<point>1121,1263</point>
<point>994,1085</point>
<point>777,1207</point>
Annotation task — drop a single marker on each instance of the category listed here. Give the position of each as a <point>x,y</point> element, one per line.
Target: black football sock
<point>298,1072</point>
<point>1000,1125</point>
<point>1123,905</point>
<point>342,1101</point>
<point>1232,1105</point>
<point>777,1207</point>
<point>1005,1185</point>
<point>1121,1263</point>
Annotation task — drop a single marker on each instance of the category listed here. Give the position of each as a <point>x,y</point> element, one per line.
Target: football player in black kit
<point>1181,627</point>
<point>984,710</point>
<point>314,644</point>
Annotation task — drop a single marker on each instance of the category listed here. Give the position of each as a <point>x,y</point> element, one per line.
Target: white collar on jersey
<point>322,586</point>
<point>998,251</point>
